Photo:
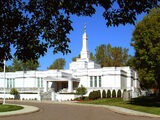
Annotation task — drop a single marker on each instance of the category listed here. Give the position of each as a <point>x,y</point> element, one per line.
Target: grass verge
<point>143,104</point>
<point>6,108</point>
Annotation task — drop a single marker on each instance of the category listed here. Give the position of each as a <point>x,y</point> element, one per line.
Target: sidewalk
<point>27,109</point>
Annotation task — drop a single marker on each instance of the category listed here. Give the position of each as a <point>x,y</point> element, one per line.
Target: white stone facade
<point>82,72</point>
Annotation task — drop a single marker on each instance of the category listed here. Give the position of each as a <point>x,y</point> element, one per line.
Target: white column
<point>70,86</point>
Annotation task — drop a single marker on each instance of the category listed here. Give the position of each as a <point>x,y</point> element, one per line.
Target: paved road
<point>72,112</point>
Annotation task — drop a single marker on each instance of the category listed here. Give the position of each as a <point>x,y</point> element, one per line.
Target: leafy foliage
<point>33,26</point>
<point>74,58</point>
<point>111,56</point>
<point>95,95</point>
<point>19,65</point>
<point>91,57</point>
<point>58,64</point>
<point>119,94</point>
<point>108,93</point>
<point>103,94</point>
<point>146,42</point>
<point>14,91</point>
<point>81,91</point>
<point>113,94</point>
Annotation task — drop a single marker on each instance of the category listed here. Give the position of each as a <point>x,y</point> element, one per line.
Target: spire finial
<point>85,27</point>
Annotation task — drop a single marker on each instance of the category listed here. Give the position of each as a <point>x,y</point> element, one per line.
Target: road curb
<point>26,110</point>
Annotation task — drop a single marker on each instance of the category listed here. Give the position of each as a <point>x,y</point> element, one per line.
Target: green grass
<point>6,108</point>
<point>143,104</point>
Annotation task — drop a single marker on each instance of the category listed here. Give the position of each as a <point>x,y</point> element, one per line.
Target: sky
<point>98,33</point>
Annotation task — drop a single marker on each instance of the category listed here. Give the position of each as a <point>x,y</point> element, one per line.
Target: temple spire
<point>85,52</point>
<point>85,28</point>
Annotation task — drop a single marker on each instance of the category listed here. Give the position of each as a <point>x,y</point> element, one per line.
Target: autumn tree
<point>111,56</point>
<point>58,64</point>
<point>146,42</point>
<point>32,26</point>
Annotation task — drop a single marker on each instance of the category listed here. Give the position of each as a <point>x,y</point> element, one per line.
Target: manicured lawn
<point>6,108</point>
<point>144,104</point>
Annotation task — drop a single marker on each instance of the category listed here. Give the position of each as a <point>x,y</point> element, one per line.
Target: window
<point>10,83</point>
<point>42,82</point>
<point>95,81</point>
<point>13,82</point>
<point>100,81</point>
<point>91,82</point>
<point>38,82</point>
<point>7,82</point>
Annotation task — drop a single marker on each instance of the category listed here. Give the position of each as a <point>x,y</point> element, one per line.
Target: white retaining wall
<point>65,97</point>
<point>22,96</point>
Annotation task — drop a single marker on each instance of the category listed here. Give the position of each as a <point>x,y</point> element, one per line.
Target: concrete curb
<point>26,110</point>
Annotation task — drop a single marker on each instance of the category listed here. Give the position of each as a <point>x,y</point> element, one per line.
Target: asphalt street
<point>49,111</point>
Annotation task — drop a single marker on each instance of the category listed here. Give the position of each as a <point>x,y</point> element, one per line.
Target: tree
<point>19,65</point>
<point>103,94</point>
<point>130,61</point>
<point>58,64</point>
<point>108,94</point>
<point>113,94</point>
<point>146,42</point>
<point>14,92</point>
<point>91,57</point>
<point>111,56</point>
<point>81,91</point>
<point>24,23</point>
<point>119,94</point>
<point>75,58</point>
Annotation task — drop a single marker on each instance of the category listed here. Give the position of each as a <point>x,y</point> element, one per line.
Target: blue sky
<point>98,33</point>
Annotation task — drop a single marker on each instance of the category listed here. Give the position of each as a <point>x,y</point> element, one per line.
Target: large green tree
<point>58,64</point>
<point>111,56</point>
<point>32,26</point>
<point>19,65</point>
<point>146,42</point>
<point>90,55</point>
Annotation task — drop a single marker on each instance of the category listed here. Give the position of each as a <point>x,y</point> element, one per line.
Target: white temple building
<point>84,71</point>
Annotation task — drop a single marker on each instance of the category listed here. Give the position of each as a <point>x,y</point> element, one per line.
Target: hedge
<point>103,94</point>
<point>108,94</point>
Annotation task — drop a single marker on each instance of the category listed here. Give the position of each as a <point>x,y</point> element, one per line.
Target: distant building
<point>83,71</point>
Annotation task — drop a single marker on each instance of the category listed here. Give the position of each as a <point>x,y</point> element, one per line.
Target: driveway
<point>49,111</point>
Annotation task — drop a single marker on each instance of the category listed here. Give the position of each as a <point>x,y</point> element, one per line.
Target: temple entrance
<point>61,84</point>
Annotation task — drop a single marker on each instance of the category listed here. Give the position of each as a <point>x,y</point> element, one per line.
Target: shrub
<point>14,91</point>
<point>108,94</point>
<point>94,95</point>
<point>119,94</point>
<point>81,91</point>
<point>113,94</point>
<point>103,94</point>
<point>98,94</point>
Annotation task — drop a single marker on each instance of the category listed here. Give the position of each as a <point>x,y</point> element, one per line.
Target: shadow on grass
<point>148,101</point>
